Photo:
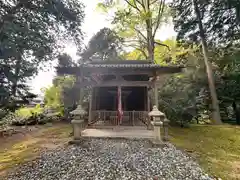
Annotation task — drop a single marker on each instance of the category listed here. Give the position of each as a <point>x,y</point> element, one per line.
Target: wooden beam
<point>115,83</point>
<point>125,83</point>
<point>120,71</point>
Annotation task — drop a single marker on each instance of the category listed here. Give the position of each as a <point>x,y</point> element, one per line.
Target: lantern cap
<point>155,112</point>
<point>79,111</point>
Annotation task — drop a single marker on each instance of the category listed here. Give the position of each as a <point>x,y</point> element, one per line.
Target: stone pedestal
<point>157,131</point>
<point>165,129</point>
<point>78,122</point>
<point>78,126</point>
<point>158,118</point>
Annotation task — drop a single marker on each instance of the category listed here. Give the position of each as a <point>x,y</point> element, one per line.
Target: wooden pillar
<point>145,99</point>
<point>119,100</point>
<point>148,101</point>
<point>97,99</point>
<point>155,94</point>
<point>93,99</point>
<point>90,106</point>
<point>79,79</point>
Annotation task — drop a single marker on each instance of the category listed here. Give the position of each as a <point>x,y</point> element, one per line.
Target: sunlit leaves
<point>137,21</point>
<point>162,55</point>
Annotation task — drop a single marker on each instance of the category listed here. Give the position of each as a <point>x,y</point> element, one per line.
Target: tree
<point>138,21</point>
<point>228,87</point>
<point>215,105</point>
<point>30,32</point>
<point>104,45</point>
<point>193,27</point>
<point>162,54</point>
<point>65,60</point>
<point>220,20</point>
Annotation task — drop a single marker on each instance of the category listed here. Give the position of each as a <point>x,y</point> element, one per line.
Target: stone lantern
<point>78,121</point>
<point>158,118</point>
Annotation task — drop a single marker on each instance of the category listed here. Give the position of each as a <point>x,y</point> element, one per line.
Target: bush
<point>30,116</point>
<point>27,112</point>
<point>8,119</point>
<point>3,113</point>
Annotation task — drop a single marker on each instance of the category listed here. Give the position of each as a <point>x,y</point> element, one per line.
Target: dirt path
<point>29,142</point>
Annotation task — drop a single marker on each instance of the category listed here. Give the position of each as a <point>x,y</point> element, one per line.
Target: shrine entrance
<point>133,98</point>
<point>104,107</point>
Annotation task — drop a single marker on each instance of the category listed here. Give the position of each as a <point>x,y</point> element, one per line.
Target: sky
<point>94,21</point>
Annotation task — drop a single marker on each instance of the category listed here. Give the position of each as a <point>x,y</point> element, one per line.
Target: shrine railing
<point>111,118</point>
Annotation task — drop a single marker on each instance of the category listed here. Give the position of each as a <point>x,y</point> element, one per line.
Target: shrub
<point>3,113</point>
<point>27,112</point>
<point>8,119</point>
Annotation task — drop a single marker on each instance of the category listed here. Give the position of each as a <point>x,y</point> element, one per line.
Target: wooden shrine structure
<point>134,78</point>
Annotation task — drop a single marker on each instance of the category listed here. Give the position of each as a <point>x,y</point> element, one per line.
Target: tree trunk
<point>236,112</point>
<point>215,106</point>
<point>150,38</point>
<point>16,76</point>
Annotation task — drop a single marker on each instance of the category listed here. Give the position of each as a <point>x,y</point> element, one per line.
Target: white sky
<point>94,21</point>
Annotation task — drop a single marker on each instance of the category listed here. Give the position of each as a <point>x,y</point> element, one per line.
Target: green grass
<point>216,148</point>
<point>16,151</point>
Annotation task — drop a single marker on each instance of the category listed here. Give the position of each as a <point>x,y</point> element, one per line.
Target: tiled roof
<point>144,66</point>
<point>151,66</point>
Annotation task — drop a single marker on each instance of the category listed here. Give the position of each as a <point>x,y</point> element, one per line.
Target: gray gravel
<point>100,159</point>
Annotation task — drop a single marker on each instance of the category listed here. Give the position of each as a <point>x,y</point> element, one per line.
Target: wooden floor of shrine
<point>135,132</point>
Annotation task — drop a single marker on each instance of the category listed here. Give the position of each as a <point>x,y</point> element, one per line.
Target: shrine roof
<point>122,62</point>
<point>119,65</point>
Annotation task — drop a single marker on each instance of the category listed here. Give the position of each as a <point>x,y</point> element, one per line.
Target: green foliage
<point>220,18</point>
<point>29,36</point>
<point>52,97</point>
<point>27,112</point>
<point>162,54</point>
<point>181,96</point>
<point>104,46</point>
<point>7,120</point>
<point>64,60</point>
<point>137,22</point>
<point>60,94</point>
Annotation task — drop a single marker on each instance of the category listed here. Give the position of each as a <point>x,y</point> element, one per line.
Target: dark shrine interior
<point>133,98</point>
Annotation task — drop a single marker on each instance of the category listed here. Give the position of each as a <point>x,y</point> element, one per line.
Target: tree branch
<point>143,52</point>
<point>134,41</point>
<point>138,31</point>
<point>139,48</point>
<point>160,13</point>
<point>161,44</point>
<point>153,2</point>
<point>142,4</point>
<point>132,5</point>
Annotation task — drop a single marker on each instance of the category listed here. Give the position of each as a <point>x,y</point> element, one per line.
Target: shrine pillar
<point>156,94</point>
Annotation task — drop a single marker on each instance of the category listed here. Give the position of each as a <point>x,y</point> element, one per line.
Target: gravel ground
<point>98,159</point>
